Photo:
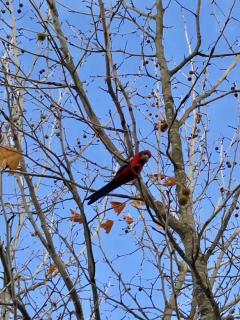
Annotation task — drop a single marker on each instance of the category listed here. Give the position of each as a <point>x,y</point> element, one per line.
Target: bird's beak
<point>145,158</point>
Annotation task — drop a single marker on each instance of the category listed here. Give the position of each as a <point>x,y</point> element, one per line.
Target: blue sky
<point>223,115</point>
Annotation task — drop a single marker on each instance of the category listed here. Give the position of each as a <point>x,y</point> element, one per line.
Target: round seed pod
<point>183,200</point>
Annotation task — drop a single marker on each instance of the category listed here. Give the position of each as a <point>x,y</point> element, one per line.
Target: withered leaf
<point>118,206</point>
<point>77,217</point>
<point>128,219</point>
<point>169,182</point>
<point>137,203</point>
<point>52,270</point>
<point>107,226</point>
<point>9,158</point>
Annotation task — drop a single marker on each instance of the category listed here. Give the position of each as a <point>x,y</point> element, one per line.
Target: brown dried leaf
<point>169,182</point>
<point>9,158</point>
<point>52,270</point>
<point>107,226</point>
<point>77,217</point>
<point>128,219</point>
<point>137,203</point>
<point>117,206</point>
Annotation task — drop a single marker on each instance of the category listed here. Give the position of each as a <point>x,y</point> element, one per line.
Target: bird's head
<point>145,156</point>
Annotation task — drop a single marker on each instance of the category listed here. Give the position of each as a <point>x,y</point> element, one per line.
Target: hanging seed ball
<point>228,163</point>
<point>42,36</point>
<point>185,191</point>
<point>189,78</point>
<point>199,117</point>
<point>163,125</point>
<point>222,190</point>
<point>183,200</point>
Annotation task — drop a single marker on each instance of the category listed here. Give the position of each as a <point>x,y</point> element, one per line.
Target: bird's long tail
<point>103,191</point>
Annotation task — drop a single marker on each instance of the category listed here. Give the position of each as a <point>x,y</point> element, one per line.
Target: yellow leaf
<point>77,217</point>
<point>128,219</point>
<point>137,203</point>
<point>107,226</point>
<point>117,206</point>
<point>9,158</point>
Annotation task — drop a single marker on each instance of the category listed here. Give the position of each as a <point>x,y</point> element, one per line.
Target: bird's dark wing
<point>123,175</point>
<point>103,191</point>
<point>121,169</point>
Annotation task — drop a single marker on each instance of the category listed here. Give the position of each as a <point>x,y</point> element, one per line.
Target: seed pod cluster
<point>184,195</point>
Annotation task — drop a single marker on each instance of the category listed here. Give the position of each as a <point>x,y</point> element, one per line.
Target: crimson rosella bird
<point>124,175</point>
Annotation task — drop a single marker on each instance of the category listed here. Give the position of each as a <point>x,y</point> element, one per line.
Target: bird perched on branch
<point>124,175</point>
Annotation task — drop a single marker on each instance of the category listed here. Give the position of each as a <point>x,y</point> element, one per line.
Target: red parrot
<point>124,175</point>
